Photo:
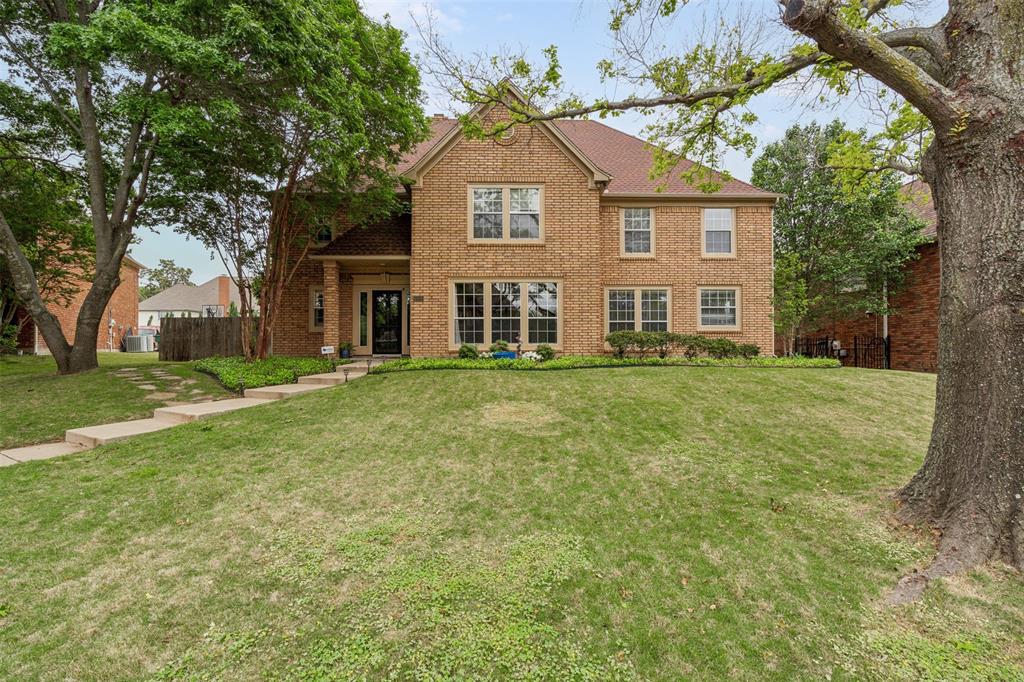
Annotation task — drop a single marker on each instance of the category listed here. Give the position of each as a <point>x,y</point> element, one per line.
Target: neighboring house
<point>554,234</point>
<point>209,299</point>
<point>118,318</point>
<point>913,329</point>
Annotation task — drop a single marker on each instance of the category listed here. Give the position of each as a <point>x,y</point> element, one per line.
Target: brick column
<point>332,304</point>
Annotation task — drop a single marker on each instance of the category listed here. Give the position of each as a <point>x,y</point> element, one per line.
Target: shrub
<point>237,374</point>
<point>591,361</point>
<point>748,350</point>
<point>499,346</point>
<point>722,348</point>
<point>468,352</point>
<point>620,341</point>
<point>545,352</point>
<point>9,339</point>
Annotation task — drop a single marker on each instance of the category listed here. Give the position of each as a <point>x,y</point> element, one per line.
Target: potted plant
<point>345,349</point>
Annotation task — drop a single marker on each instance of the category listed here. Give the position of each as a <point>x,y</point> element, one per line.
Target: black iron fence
<point>870,352</point>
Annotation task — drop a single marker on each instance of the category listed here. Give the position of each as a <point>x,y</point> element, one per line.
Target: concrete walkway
<point>77,440</point>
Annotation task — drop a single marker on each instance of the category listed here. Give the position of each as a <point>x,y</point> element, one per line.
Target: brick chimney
<point>224,293</point>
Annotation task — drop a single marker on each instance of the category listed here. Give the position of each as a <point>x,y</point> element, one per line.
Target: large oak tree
<point>957,87</point>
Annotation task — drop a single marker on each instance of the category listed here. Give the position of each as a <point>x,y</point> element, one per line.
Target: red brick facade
<point>123,309</point>
<point>579,249</point>
<point>914,327</point>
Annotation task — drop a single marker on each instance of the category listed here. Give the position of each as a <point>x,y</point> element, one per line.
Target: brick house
<point>914,327</point>
<point>553,234</point>
<point>119,316</point>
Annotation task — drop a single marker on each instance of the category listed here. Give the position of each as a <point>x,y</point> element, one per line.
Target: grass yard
<point>39,406</point>
<point>637,523</point>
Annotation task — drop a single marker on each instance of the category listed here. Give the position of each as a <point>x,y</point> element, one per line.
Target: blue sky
<point>579,29</point>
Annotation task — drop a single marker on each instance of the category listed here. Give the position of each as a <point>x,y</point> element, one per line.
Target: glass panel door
<point>387,322</point>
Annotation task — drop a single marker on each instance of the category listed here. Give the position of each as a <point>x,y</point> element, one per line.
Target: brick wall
<point>123,307</point>
<point>914,326</point>
<point>580,249</point>
<point>678,263</point>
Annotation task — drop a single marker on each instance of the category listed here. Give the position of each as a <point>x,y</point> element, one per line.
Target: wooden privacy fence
<point>194,338</point>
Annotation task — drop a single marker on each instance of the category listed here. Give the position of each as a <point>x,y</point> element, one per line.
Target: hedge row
<point>236,374</point>
<point>663,344</point>
<point>588,361</point>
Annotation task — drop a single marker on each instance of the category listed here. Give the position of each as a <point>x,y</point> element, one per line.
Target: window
<point>526,312</point>
<point>469,312</point>
<point>364,303</point>
<point>719,307</point>
<point>542,312</point>
<point>654,310</point>
<point>653,305</point>
<point>487,213</point>
<point>323,234</point>
<point>637,231</point>
<point>316,308</point>
<point>621,310</point>
<point>719,225</point>
<point>505,312</point>
<point>506,213</point>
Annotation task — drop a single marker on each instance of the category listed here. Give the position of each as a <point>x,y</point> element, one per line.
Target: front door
<point>387,322</point>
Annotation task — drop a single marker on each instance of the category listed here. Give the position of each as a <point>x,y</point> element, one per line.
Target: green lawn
<point>639,523</point>
<point>39,405</point>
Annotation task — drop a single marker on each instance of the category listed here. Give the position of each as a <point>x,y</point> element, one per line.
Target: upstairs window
<point>506,213</point>
<point>719,226</point>
<point>637,232</point>
<point>488,212</point>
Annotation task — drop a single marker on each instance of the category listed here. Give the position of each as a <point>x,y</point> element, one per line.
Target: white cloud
<point>405,14</point>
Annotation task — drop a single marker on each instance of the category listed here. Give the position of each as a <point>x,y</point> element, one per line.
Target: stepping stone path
<point>77,440</point>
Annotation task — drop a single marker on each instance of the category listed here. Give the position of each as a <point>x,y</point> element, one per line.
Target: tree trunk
<point>971,486</point>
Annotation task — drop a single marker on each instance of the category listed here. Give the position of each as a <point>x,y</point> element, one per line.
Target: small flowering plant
<point>485,354</point>
<point>531,355</point>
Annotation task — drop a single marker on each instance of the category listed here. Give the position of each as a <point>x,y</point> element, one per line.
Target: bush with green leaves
<point>499,346</point>
<point>640,344</point>
<point>593,361</point>
<point>236,374</point>
<point>9,339</point>
<point>468,351</point>
<point>545,352</point>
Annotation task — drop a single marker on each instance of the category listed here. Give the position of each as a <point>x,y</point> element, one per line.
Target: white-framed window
<point>646,309</point>
<point>719,238</point>
<point>637,232</point>
<point>510,310</point>
<point>524,212</point>
<point>719,307</point>
<point>469,312</point>
<point>488,212</point>
<point>513,213</point>
<point>316,308</point>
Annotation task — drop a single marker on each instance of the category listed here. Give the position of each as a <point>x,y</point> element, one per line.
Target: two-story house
<point>555,233</point>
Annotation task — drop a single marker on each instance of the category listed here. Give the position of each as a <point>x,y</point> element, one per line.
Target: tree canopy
<point>165,275</point>
<point>849,243</point>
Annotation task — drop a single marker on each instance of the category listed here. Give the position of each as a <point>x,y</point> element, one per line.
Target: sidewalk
<point>86,438</point>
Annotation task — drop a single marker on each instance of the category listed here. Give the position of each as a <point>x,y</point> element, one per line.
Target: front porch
<point>366,303</point>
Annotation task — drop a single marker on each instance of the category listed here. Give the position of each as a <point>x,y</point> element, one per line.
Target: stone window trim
<point>738,327</point>
<point>638,308</point>
<point>623,253</point>
<point>704,253</point>
<point>316,302</point>
<point>524,325</point>
<point>506,219</point>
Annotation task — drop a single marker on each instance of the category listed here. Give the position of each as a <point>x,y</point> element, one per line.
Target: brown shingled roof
<point>919,196</point>
<point>626,158</point>
<point>389,237</point>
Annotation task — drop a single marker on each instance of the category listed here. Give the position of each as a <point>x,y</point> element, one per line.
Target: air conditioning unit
<point>135,344</point>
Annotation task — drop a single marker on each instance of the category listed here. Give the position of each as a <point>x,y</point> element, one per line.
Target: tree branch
<point>818,19</point>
